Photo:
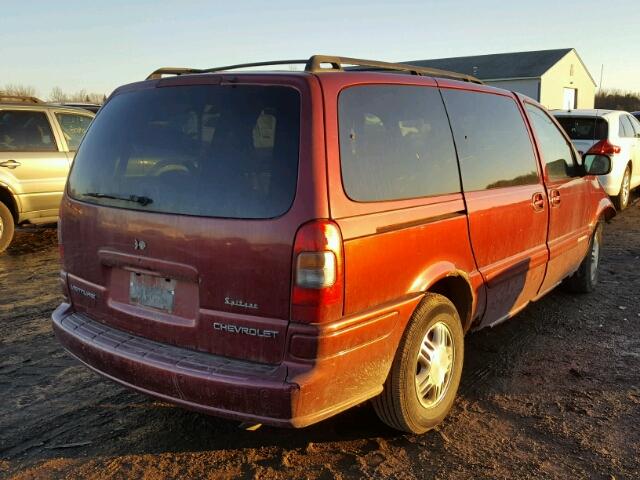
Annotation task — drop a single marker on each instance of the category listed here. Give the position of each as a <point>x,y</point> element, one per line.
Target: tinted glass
<point>223,151</point>
<point>556,151</point>
<point>395,143</point>
<point>584,128</point>
<point>625,127</point>
<point>23,131</point>
<point>73,128</point>
<point>635,123</point>
<point>493,144</point>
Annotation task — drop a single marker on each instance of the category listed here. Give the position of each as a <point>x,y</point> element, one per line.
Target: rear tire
<point>621,200</point>
<point>7,227</point>
<point>417,397</point>
<point>584,280</point>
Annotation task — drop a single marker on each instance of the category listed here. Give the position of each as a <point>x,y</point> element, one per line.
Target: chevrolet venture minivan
<point>276,247</point>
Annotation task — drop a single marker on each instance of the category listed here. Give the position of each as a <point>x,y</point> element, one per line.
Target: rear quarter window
<point>73,127</point>
<point>395,143</point>
<point>494,147</point>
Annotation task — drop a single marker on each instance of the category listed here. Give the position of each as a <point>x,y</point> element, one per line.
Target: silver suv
<point>37,145</point>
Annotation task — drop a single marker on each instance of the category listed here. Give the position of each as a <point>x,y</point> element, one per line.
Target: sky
<point>99,45</point>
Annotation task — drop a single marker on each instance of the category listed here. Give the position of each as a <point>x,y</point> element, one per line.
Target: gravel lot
<point>553,393</point>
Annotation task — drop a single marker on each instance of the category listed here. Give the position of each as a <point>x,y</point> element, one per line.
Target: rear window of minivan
<point>205,150</point>
<point>584,128</point>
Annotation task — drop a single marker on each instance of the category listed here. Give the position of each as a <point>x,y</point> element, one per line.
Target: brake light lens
<point>604,147</point>
<point>318,284</point>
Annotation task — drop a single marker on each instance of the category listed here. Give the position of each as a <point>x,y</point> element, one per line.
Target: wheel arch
<point>9,200</point>
<point>605,210</point>
<point>453,283</point>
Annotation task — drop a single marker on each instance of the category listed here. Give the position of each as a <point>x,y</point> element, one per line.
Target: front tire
<point>425,374</point>
<point>7,227</point>
<point>621,201</point>
<point>584,280</point>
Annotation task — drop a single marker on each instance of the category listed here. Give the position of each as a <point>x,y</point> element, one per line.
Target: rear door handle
<point>537,201</point>
<point>554,198</point>
<point>10,164</point>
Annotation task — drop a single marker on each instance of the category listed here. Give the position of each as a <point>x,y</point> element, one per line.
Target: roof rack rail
<point>156,74</point>
<point>19,98</point>
<point>316,64</point>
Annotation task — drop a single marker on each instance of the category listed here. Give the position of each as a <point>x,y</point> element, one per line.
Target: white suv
<point>609,132</point>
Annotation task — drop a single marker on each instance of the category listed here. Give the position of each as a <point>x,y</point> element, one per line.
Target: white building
<point>555,78</point>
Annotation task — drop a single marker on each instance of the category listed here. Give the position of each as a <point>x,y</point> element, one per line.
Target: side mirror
<point>596,164</point>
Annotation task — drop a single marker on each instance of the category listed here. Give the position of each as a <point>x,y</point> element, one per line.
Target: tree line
<point>56,95</point>
<point>618,100</point>
<point>607,99</point>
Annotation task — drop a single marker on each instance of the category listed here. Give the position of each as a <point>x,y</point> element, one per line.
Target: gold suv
<point>37,144</point>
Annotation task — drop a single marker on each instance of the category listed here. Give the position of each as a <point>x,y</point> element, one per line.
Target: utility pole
<point>601,72</point>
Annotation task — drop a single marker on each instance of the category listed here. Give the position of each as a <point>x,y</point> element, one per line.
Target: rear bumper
<point>211,384</point>
<point>327,369</point>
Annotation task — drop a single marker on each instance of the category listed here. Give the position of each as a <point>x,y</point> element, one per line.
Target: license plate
<point>151,291</point>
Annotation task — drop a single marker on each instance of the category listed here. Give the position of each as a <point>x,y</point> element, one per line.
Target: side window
<point>493,144</point>
<point>25,131</point>
<point>395,143</point>
<point>556,151</point>
<point>625,124</point>
<point>73,128</point>
<point>635,124</point>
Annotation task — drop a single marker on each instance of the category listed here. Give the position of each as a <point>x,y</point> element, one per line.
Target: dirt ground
<point>553,393</point>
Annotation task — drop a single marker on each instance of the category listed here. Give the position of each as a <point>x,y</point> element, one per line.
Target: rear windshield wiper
<point>142,200</point>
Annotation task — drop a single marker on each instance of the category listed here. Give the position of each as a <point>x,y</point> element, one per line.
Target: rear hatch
<point>583,131</point>
<point>177,224</point>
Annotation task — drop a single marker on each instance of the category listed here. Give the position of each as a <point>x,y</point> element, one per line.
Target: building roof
<point>500,65</point>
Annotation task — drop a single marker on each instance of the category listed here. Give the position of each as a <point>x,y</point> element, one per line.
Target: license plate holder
<point>152,291</point>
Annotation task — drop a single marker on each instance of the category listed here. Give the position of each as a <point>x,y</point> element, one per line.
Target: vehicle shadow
<point>172,430</point>
<point>29,240</point>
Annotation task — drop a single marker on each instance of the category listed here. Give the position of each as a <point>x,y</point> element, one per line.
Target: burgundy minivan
<point>276,247</point>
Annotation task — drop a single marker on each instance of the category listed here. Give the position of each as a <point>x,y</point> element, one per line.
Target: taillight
<point>318,279</point>
<point>604,147</point>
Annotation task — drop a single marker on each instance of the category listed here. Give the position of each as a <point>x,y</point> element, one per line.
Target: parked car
<point>610,132</point>
<point>37,145</point>
<point>276,247</point>
<point>92,107</point>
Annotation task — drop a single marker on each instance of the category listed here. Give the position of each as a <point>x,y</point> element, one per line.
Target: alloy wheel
<point>434,365</point>
<point>626,187</point>
<point>595,257</point>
